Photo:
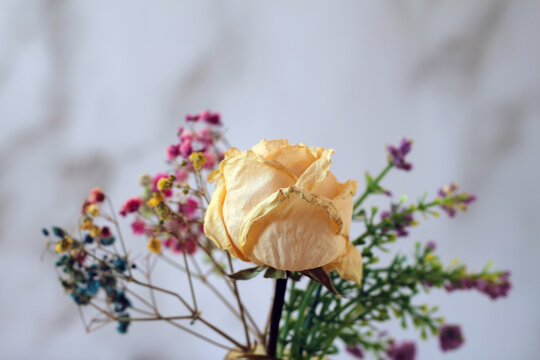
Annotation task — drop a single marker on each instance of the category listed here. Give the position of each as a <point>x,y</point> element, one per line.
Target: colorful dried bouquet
<point>278,207</point>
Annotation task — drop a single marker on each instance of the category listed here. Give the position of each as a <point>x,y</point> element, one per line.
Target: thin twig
<point>186,264</point>
<point>115,222</point>
<point>240,305</point>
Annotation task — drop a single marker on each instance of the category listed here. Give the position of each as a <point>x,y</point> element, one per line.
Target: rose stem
<point>277,308</point>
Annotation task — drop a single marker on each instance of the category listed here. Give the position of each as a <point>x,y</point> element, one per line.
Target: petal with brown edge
<point>293,230</point>
<point>249,180</point>
<point>343,202</point>
<point>214,227</point>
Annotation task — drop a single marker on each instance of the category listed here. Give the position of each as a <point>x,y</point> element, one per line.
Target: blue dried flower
<point>93,287</point>
<point>120,264</point>
<point>107,241</point>
<point>58,232</point>
<point>123,324</point>
<point>80,299</point>
<point>121,301</point>
<point>88,239</point>
<point>45,232</point>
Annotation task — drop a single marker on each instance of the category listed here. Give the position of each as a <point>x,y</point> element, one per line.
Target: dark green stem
<point>277,308</point>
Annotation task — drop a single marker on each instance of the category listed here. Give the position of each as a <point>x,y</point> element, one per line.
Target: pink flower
<point>130,206</point>
<point>182,175</point>
<point>210,160</point>
<point>167,193</point>
<point>205,136</point>
<point>189,208</point>
<point>186,149</point>
<point>210,117</point>
<point>172,152</point>
<point>138,227</point>
<point>190,246</point>
<point>177,246</point>
<point>96,196</point>
<point>186,136</point>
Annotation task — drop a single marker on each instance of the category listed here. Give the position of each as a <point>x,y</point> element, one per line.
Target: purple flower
<point>431,245</point>
<point>450,337</point>
<point>403,351</point>
<point>494,288</point>
<point>454,201</point>
<point>398,223</point>
<point>499,288</point>
<point>355,350</point>
<point>398,154</point>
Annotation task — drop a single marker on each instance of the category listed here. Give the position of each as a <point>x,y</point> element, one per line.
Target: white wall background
<point>92,92</point>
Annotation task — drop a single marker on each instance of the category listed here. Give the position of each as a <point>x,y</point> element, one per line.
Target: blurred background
<point>91,93</point>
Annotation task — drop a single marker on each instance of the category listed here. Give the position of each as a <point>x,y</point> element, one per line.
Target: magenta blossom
<point>130,206</point>
<point>138,226</point>
<point>172,152</point>
<point>189,208</point>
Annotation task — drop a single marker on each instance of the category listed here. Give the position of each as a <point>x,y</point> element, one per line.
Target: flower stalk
<point>275,317</point>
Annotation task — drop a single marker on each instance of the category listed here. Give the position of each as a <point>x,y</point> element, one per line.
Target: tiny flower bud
<point>198,159</point>
<point>154,245</point>
<point>64,244</point>
<point>145,180</point>
<point>93,210</point>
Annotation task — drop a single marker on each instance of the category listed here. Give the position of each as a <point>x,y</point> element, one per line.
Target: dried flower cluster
<point>277,206</point>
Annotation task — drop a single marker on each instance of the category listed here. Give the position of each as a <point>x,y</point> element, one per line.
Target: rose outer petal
<point>348,265</point>
<point>293,230</point>
<point>296,158</point>
<point>317,172</point>
<point>265,147</point>
<point>249,179</point>
<point>214,227</point>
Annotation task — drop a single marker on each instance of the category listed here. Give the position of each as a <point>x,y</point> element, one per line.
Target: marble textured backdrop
<point>91,92</point>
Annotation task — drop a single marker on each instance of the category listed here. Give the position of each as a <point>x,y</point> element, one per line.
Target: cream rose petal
<point>344,203</point>
<point>328,188</point>
<point>348,265</point>
<point>265,147</point>
<point>317,172</point>
<point>214,227</point>
<point>249,179</point>
<point>296,158</point>
<point>293,230</point>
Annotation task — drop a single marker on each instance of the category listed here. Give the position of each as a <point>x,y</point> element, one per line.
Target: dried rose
<point>279,205</point>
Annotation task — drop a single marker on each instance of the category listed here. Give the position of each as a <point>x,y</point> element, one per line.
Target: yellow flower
<point>163,211</point>
<point>279,205</point>
<point>87,224</point>
<point>429,257</point>
<point>198,159</point>
<point>93,210</point>
<point>64,245</point>
<point>157,197</point>
<point>165,183</point>
<point>95,231</point>
<point>154,245</point>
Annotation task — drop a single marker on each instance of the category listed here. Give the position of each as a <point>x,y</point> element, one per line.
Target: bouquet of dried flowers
<point>279,207</point>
